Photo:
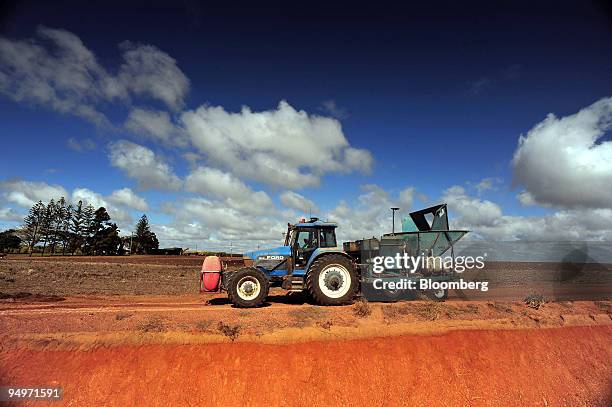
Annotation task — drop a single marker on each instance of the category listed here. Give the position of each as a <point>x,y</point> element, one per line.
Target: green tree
<point>47,224</point>
<point>103,234</point>
<point>9,240</point>
<point>145,240</point>
<point>77,227</point>
<point>108,240</point>
<point>65,227</point>
<point>31,230</point>
<point>56,223</point>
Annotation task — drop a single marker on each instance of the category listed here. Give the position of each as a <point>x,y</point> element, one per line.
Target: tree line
<point>61,227</point>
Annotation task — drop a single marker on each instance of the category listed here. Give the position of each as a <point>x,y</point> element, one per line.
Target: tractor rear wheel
<point>332,280</point>
<point>248,287</point>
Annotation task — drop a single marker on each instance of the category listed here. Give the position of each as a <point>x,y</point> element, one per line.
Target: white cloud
<point>486,220</point>
<point>56,70</point>
<point>226,186</point>
<point>526,199</point>
<point>149,71</point>
<point>27,193</point>
<point>128,198</point>
<point>406,198</point>
<point>88,197</point>
<point>142,164</point>
<point>294,200</point>
<point>215,225</point>
<point>472,211</point>
<point>487,184</point>
<point>206,180</point>
<point>563,161</point>
<point>371,214</point>
<point>282,147</point>
<point>153,124</point>
<point>64,75</point>
<point>10,215</point>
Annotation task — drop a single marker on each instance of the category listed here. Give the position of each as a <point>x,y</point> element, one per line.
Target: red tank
<point>210,276</point>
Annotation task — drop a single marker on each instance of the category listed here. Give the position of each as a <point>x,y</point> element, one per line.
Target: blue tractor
<point>310,260</point>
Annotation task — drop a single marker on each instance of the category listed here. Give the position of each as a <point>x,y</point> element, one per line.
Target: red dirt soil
<point>550,367</point>
<point>139,334</point>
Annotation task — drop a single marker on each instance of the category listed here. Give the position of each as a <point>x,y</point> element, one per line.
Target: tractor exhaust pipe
<point>393,216</point>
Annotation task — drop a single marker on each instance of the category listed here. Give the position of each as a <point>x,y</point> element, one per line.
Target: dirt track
<point>187,349</point>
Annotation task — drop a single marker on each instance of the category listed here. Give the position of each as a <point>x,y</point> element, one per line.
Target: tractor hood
<point>283,251</point>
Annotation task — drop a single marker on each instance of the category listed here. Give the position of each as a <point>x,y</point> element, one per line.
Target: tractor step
<point>293,283</point>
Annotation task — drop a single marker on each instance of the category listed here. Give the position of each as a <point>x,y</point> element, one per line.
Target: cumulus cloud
<point>127,197</point>
<point>10,215</point>
<point>226,186</point>
<point>281,147</point>
<point>142,164</point>
<point>149,71</point>
<point>118,215</point>
<point>294,200</point>
<point>58,71</point>
<point>370,215</point>
<point>196,219</point>
<point>27,193</point>
<point>487,184</point>
<point>473,211</point>
<point>486,220</point>
<point>563,161</point>
<point>154,124</point>
<point>88,197</point>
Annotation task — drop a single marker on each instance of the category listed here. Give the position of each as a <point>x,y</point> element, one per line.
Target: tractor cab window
<point>327,238</point>
<point>307,239</point>
<point>306,242</point>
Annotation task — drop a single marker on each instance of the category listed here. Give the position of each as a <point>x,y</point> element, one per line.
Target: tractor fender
<point>324,252</point>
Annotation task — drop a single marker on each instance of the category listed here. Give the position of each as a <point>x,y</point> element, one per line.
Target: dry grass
<point>203,326</point>
<point>534,301</point>
<point>231,331</point>
<point>429,311</point>
<point>120,316</point>
<point>361,308</point>
<point>306,316</point>
<point>604,306</point>
<point>154,324</point>
<point>325,325</point>
<point>499,307</point>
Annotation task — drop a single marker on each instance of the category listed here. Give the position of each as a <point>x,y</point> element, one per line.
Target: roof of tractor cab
<point>315,223</point>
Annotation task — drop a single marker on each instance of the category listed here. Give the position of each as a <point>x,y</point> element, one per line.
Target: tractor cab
<point>306,237</point>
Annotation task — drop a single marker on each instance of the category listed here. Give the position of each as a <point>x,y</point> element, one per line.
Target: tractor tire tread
<point>233,295</point>
<point>313,275</point>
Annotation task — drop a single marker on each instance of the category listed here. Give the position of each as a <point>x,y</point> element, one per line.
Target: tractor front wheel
<point>248,287</point>
<point>332,280</point>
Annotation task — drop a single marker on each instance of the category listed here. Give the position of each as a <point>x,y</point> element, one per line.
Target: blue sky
<point>429,100</point>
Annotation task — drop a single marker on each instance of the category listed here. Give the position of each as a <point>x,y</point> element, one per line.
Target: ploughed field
<point>176,275</point>
<point>134,330</point>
